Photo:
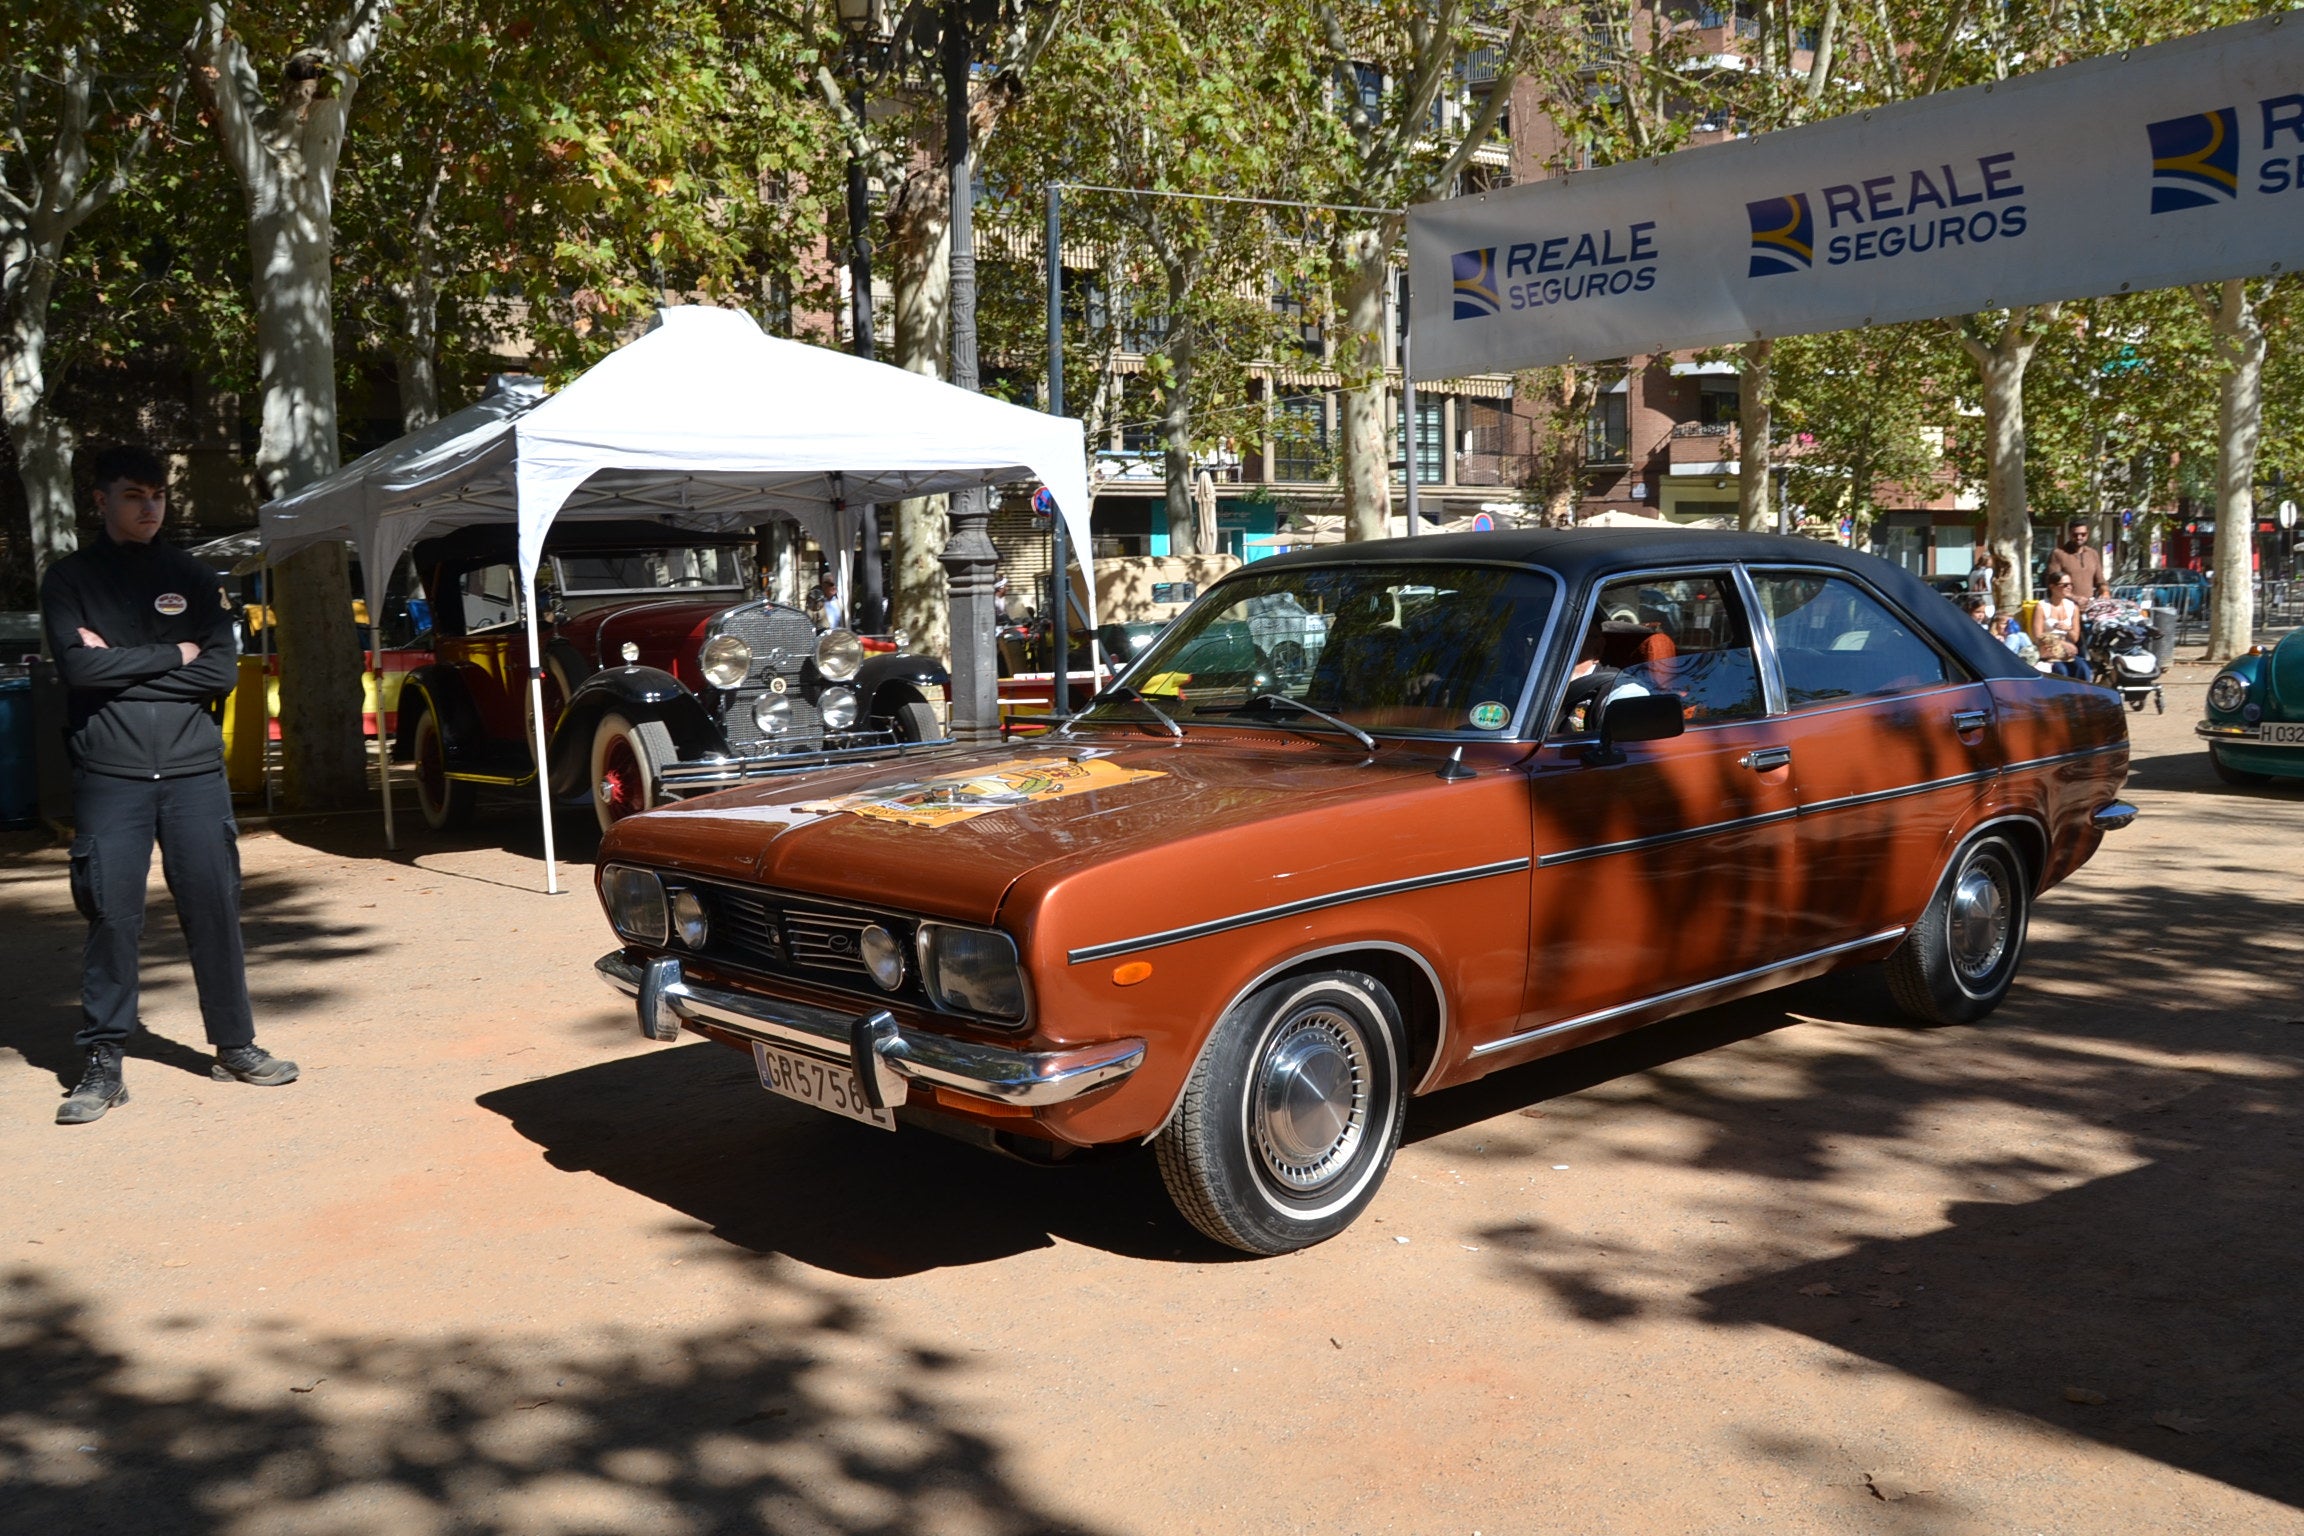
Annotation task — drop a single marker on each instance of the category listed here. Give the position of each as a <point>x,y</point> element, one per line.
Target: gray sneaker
<point>252,1063</point>
<point>100,1089</point>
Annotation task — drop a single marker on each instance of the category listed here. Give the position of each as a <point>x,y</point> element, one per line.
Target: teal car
<point>2255,722</point>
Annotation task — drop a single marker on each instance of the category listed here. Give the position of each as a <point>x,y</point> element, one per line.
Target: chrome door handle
<point>1971,720</point>
<point>1761,759</point>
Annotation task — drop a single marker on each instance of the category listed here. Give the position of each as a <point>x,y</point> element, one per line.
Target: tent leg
<point>264,607</point>
<point>543,768</point>
<point>376,671</point>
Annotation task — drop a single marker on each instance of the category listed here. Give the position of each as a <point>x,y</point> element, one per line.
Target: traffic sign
<point>1483,523</point>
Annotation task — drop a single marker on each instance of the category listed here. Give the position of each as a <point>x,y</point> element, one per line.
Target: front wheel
<point>1291,1115</point>
<point>916,721</point>
<point>2241,777</point>
<point>1958,961</point>
<point>628,762</point>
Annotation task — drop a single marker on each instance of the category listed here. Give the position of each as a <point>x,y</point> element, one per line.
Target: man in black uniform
<point>142,636</point>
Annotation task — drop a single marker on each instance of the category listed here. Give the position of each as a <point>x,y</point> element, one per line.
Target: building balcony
<point>1703,443</point>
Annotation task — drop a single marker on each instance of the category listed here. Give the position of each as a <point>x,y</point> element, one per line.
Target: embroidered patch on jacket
<point>170,603</point>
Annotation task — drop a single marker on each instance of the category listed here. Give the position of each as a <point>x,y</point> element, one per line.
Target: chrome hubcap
<point>1978,926</point>
<point>1311,1098</point>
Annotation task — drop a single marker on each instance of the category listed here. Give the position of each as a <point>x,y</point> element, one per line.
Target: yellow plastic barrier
<point>246,717</point>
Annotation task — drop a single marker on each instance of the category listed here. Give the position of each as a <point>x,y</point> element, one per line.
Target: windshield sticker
<point>1491,716</point>
<point>945,802</point>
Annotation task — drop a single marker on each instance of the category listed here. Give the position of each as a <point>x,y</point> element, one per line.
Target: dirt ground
<point>497,1265</point>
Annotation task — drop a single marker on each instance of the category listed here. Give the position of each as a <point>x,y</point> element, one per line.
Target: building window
<point>1300,438</point>
<point>1431,445</point>
<point>1300,329</point>
<point>1608,434</point>
<point>1717,400</point>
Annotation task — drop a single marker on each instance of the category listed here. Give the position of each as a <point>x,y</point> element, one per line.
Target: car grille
<point>744,735</point>
<point>744,927</point>
<point>781,639</point>
<point>827,940</point>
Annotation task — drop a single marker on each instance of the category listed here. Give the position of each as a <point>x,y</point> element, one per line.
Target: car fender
<point>637,693</point>
<point>445,696</point>
<point>889,681</point>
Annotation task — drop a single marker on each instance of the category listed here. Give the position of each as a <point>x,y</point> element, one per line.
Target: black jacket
<point>139,710</point>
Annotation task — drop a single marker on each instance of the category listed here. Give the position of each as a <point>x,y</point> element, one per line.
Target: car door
<point>1659,870</point>
<point>1892,742</point>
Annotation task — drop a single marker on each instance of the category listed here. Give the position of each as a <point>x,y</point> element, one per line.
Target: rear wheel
<point>2231,775</point>
<point>1291,1115</point>
<point>628,762</point>
<point>446,803</point>
<point>1958,961</point>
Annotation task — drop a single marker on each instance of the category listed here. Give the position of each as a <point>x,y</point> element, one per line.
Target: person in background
<point>2078,559</point>
<point>1980,578</point>
<point>2056,629</point>
<point>142,637</point>
<point>828,596</point>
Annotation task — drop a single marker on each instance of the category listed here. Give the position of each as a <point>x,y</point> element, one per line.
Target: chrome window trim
<point>1522,720</point>
<point>1957,672</point>
<point>1116,947</point>
<point>1763,642</point>
<point>1683,994</point>
<point>1724,570</point>
<point>1439,1049</point>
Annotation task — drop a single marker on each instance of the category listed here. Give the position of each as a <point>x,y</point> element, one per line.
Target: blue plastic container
<point>19,761</point>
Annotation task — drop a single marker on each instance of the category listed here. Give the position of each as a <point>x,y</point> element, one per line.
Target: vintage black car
<point>664,674</point>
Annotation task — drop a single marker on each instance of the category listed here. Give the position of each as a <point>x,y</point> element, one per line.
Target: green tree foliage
<point>1861,417</point>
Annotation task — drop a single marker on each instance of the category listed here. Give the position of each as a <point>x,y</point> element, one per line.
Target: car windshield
<point>1422,649</point>
<point>653,570</point>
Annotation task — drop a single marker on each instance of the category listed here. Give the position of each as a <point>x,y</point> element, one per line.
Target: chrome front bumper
<point>725,770</point>
<point>2242,735</point>
<point>886,1056</point>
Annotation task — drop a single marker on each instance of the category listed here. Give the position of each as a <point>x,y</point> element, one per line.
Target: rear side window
<point>1834,640</point>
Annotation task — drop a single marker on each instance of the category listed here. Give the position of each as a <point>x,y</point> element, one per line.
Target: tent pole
<point>543,768</point>
<point>376,671</point>
<point>264,607</point>
<point>1060,557</point>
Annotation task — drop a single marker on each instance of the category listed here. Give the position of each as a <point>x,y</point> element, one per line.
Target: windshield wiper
<point>1346,726</point>
<point>1130,696</point>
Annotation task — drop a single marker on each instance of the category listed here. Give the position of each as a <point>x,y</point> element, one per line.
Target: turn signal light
<point>1131,973</point>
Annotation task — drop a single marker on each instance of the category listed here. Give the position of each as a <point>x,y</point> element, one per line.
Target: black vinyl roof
<point>1580,556</point>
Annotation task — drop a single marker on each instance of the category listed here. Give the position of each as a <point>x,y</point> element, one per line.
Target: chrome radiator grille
<point>744,926</point>
<point>781,639</point>
<point>826,940</point>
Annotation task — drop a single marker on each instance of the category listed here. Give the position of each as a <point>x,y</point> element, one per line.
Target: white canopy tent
<point>706,423</point>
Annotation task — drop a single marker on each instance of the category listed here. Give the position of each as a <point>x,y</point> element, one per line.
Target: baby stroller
<point>2129,651</point>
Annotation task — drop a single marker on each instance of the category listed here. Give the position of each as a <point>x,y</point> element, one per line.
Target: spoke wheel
<point>628,760</point>
<point>1291,1114</point>
<point>1959,959</point>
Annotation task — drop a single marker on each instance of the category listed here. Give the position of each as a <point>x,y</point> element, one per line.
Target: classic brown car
<point>1538,789</point>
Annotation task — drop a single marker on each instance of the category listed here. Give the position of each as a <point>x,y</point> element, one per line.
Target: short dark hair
<point>1972,602</point>
<point>128,461</point>
<point>2077,525</point>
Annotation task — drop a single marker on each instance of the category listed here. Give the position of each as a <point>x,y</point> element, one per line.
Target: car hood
<point>947,834</point>
<point>661,627</point>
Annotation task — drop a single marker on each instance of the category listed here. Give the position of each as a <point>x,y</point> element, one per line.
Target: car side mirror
<point>1642,717</point>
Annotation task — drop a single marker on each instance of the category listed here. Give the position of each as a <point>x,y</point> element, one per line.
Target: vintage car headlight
<point>972,970</point>
<point>839,654</point>
<point>2227,694</point>
<point>727,661</point>
<point>688,920</point>
<point>772,712</point>
<point>635,901</point>
<point>883,957</point>
<point>838,707</point>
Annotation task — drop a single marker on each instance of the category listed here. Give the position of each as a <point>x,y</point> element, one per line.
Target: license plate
<point>818,1083</point>
<point>2282,735</point>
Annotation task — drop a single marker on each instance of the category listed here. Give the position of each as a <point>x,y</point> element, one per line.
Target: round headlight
<point>839,654</point>
<point>688,920</point>
<point>883,957</point>
<point>772,712</point>
<point>838,707</point>
<point>727,661</point>
<point>2227,693</point>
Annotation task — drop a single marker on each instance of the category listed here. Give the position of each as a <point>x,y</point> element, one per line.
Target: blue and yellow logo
<point>1476,295</point>
<point>2195,160</point>
<point>1783,235</point>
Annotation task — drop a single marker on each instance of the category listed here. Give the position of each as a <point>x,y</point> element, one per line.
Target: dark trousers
<point>115,822</point>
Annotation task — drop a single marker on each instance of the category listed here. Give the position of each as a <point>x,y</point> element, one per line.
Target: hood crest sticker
<point>944,802</point>
<point>170,603</point>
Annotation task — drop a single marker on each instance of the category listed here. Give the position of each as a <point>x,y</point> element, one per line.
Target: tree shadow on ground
<point>806,1423</point>
<point>2166,1298</point>
<point>287,943</point>
<point>505,823</point>
<point>691,1128</point>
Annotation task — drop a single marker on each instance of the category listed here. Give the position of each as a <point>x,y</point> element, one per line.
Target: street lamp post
<point>865,22</point>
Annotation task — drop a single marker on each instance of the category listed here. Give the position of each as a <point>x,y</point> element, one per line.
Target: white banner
<point>2178,163</point>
